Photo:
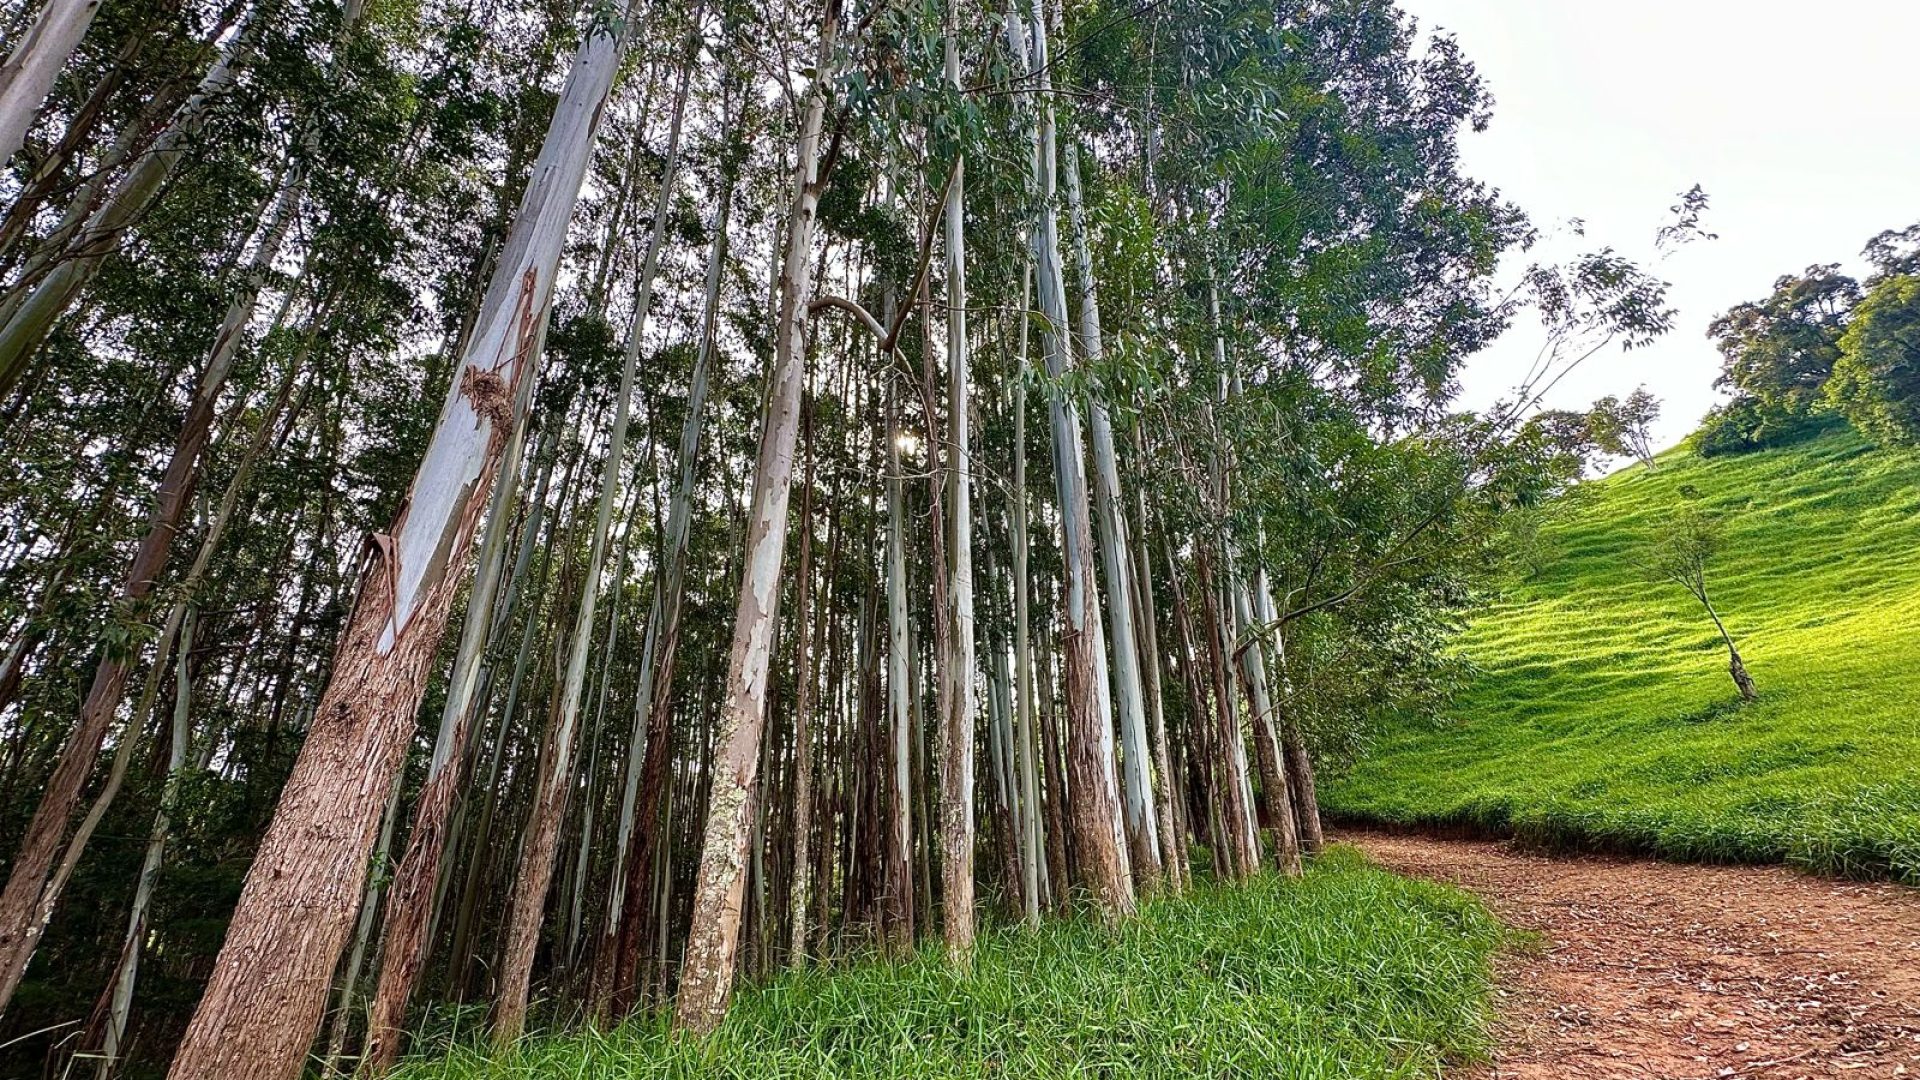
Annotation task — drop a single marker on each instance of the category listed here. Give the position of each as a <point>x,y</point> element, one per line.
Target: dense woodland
<point>528,514</point>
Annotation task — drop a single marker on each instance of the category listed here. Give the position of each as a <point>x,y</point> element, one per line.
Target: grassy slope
<point>1603,713</point>
<point>1351,972</point>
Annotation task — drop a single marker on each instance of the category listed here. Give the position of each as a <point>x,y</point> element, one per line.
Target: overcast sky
<point>1802,121</point>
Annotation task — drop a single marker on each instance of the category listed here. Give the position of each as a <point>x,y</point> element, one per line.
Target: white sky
<point>1801,121</point>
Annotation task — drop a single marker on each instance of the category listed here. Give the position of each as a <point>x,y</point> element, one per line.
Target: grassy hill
<point>1351,972</point>
<point>1603,714</point>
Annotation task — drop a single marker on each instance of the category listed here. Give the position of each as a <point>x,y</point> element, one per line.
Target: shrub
<point>1746,423</point>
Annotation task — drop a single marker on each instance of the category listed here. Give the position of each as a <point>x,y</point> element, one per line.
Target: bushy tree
<point>1894,253</point>
<point>1876,381</point>
<point>1625,427</point>
<point>1780,351</point>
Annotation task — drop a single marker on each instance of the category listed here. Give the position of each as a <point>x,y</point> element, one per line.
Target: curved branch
<point>859,313</point>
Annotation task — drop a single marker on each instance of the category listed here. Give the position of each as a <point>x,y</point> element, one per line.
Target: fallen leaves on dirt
<point>1675,972</point>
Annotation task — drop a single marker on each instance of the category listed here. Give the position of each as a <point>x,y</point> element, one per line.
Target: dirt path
<point>1655,970</point>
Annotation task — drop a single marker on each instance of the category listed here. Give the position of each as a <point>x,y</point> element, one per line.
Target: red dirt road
<point>1656,970</point>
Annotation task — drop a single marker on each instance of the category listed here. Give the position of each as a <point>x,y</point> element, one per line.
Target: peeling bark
<point>264,1000</point>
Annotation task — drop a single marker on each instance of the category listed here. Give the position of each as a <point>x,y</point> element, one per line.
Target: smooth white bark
<point>957,755</point>
<point>34,63</point>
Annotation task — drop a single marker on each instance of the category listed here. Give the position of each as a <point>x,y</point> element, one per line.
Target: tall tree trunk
<point>1003,809</point>
<point>1143,834</point>
<point>1094,806</point>
<point>956,751</point>
<point>268,988</point>
<point>707,972</point>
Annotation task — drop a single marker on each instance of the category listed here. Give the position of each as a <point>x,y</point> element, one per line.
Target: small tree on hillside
<point>1680,552</point>
<point>1637,415</point>
<point>1625,427</point>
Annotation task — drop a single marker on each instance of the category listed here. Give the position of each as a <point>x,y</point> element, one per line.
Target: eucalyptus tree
<point>1094,808</point>
<point>264,1000</point>
<point>957,754</point>
<point>1142,825</point>
<point>713,940</point>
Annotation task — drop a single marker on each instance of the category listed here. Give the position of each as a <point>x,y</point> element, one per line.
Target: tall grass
<point>1603,715</point>
<point>1350,972</point>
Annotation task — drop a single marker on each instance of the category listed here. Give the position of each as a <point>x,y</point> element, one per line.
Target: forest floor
<point>1646,969</point>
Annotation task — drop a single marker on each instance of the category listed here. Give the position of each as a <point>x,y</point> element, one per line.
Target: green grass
<point>1350,972</point>
<point>1603,716</point>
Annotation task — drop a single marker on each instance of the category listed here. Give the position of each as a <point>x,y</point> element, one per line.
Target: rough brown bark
<point>263,1003</point>
<point>535,873</point>
<point>1275,794</point>
<point>1306,804</point>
